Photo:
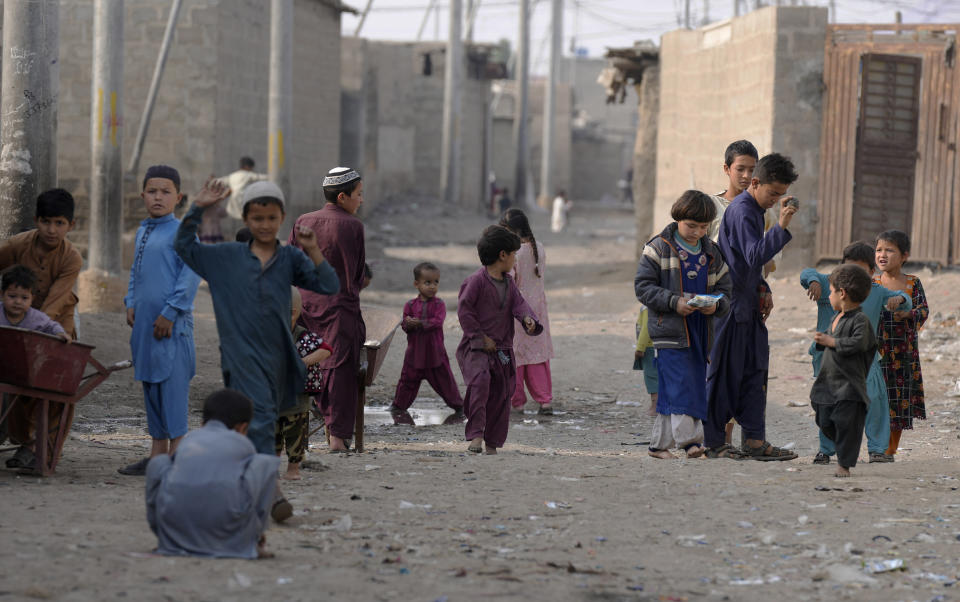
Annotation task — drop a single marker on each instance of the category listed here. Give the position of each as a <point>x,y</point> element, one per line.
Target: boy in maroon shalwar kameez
<point>488,304</point>
<point>426,356</point>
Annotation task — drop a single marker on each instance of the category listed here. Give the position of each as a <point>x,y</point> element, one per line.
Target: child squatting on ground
<point>488,303</point>
<point>212,498</point>
<point>899,333</point>
<point>877,426</point>
<point>159,304</point>
<point>678,264</point>
<point>293,424</point>
<point>426,356</point>
<point>839,395</point>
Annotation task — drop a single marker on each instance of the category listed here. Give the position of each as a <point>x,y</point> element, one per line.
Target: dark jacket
<point>659,286</point>
<point>843,374</point>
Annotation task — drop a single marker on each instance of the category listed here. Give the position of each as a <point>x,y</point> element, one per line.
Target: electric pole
<point>280,109</point>
<point>550,101</point>
<point>521,106</point>
<point>450,151</point>
<point>686,14</point>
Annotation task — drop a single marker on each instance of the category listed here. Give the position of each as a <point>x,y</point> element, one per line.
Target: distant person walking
<point>505,200</point>
<point>236,182</point>
<point>561,206</point>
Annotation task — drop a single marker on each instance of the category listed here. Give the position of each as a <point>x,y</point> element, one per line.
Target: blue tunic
<point>252,305</point>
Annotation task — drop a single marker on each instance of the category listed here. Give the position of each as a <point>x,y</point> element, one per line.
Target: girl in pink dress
<point>532,353</point>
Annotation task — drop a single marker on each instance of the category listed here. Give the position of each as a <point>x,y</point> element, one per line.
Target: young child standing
<point>293,424</point>
<point>159,304</point>
<point>877,425</point>
<point>488,303</point>
<point>532,354</point>
<point>645,358</point>
<point>898,333</point>
<point>839,395</point>
<point>426,356</point>
<point>677,264</point>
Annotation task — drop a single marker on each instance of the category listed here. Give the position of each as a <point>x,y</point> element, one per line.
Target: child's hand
<point>787,211</point>
<point>212,193</point>
<point>65,337</point>
<point>709,310</point>
<point>529,324</point>
<point>413,322</point>
<point>162,328</point>
<point>488,344</point>
<point>822,338</point>
<point>306,238</point>
<point>682,308</point>
<point>638,355</point>
<point>814,291</point>
<point>130,316</point>
<point>766,305</point>
<point>894,302</point>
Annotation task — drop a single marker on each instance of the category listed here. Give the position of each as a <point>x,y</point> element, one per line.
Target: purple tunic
<point>34,319</point>
<point>426,356</point>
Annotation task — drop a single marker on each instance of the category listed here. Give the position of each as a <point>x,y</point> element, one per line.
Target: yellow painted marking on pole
<point>270,153</point>
<point>114,121</point>
<point>99,113</point>
<point>280,158</point>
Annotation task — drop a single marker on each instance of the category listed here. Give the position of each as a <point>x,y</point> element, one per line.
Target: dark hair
<point>739,149</point>
<point>162,171</point>
<point>244,235</point>
<point>853,279</point>
<point>246,163</point>
<point>19,275</point>
<point>897,237</point>
<point>264,201</point>
<point>775,168</point>
<point>332,192</point>
<point>516,221</point>
<point>55,202</point>
<point>862,252</point>
<point>694,205</point>
<point>228,406</point>
<point>426,266</point>
<point>493,240</point>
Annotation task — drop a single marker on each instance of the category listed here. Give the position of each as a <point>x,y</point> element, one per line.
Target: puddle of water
<point>422,415</point>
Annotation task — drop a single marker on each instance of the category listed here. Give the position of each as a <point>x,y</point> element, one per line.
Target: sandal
<point>879,457</point>
<point>767,453</point>
<point>724,451</point>
<point>821,458</point>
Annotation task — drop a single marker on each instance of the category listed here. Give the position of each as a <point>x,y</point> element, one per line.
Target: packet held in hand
<point>698,301</point>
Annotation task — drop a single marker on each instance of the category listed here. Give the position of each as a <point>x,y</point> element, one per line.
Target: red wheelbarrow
<point>41,366</point>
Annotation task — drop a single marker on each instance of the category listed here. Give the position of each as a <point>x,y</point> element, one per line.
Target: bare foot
<point>491,451</point>
<point>262,548</point>
<point>842,472</point>
<point>476,446</point>
<point>337,444</point>
<point>662,454</point>
<point>728,433</point>
<point>293,472</point>
<point>652,410</point>
<point>696,451</point>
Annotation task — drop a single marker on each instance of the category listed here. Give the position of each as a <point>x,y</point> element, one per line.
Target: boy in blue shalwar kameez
<point>159,305</point>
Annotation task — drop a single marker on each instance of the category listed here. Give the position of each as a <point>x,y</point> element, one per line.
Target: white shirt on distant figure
<point>558,220</point>
<point>237,181</point>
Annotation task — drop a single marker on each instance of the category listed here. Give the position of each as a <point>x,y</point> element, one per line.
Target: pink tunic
<point>532,349</point>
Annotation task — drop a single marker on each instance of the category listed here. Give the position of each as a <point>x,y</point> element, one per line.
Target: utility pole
<point>426,17</point>
<point>833,12</point>
<point>686,14</point>
<point>468,36</point>
<point>736,8</point>
<point>548,155</point>
<point>106,119</point>
<point>450,151</point>
<point>280,110</point>
<point>363,18</point>
<point>28,129</point>
<point>521,107</point>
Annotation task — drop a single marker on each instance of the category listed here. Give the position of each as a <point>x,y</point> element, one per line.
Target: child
<point>159,304</point>
<point>678,263</point>
<point>645,358</point>
<point>740,357</point>
<point>17,286</point>
<point>839,395</point>
<point>51,257</point>
<point>532,355</point>
<point>212,498</point>
<point>488,303</point>
<point>877,426</point>
<point>426,356</point>
<point>337,318</point>
<point>898,333</point>
<point>561,207</point>
<point>250,286</point>
<point>293,425</point>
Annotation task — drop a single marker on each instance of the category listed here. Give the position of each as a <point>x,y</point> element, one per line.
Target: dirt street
<point>571,509</point>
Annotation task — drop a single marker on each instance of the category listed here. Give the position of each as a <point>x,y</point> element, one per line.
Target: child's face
<point>691,231</point>
<point>889,257</point>
<point>866,268</point>
<point>350,203</point>
<point>16,302</point>
<point>836,298</point>
<point>52,230</point>
<point>740,172</point>
<point>264,221</point>
<point>767,194</point>
<point>508,260</point>
<point>294,316</point>
<point>428,283</point>
<point>160,196</point>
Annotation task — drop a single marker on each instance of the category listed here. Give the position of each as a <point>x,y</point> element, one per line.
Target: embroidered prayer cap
<point>259,190</point>
<point>163,171</point>
<point>339,176</point>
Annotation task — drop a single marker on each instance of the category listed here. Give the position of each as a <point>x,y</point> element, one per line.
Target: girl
<point>897,333</point>
<point>532,353</point>
<point>681,261</point>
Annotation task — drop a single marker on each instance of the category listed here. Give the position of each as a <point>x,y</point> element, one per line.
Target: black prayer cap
<point>163,171</point>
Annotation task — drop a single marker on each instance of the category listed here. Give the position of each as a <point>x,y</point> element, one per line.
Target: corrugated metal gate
<point>888,147</point>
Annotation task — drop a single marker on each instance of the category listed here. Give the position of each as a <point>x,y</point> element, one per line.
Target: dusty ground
<point>573,509</point>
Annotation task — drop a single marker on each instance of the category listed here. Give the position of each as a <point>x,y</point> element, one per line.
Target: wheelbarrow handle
<point>123,365</point>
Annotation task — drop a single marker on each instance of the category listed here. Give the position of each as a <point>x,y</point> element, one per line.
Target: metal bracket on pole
<point>363,18</point>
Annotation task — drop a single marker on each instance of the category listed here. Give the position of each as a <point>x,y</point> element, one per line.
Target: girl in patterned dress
<point>897,334</point>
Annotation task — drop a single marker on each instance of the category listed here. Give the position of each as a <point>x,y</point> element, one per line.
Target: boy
<point>212,498</point>
<point>877,426</point>
<point>839,395</point>
<point>17,286</point>
<point>51,257</point>
<point>740,356</point>
<point>488,303</point>
<point>159,304</point>
<point>250,286</point>
<point>426,356</point>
